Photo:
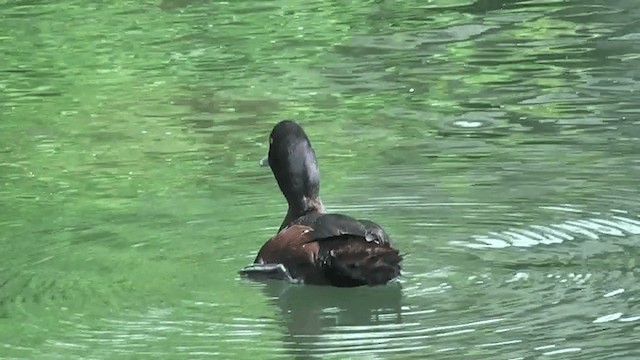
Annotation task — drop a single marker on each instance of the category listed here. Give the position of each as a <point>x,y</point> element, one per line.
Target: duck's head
<point>294,165</point>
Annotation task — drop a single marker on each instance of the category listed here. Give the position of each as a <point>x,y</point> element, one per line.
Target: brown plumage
<point>311,246</point>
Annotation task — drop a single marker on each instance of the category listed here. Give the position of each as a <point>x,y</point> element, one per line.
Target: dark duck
<point>311,246</point>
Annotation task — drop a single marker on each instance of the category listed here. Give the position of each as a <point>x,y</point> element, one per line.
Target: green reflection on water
<point>130,136</point>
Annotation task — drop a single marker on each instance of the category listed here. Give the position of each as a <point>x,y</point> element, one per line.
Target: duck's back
<point>333,249</point>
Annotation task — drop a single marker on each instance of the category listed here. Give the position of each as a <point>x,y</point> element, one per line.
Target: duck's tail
<point>355,263</point>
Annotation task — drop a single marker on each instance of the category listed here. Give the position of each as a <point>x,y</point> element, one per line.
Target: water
<point>496,141</point>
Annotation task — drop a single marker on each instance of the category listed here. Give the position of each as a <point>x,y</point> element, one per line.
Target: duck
<point>312,246</point>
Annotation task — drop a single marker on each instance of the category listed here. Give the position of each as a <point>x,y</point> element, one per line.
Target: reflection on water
<point>496,141</point>
<point>327,321</point>
<point>588,228</point>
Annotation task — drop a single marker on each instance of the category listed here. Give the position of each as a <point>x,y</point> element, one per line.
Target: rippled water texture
<point>497,142</point>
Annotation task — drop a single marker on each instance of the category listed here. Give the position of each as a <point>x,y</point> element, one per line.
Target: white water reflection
<point>591,228</point>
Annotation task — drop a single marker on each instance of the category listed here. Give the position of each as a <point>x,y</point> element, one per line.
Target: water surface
<point>496,141</point>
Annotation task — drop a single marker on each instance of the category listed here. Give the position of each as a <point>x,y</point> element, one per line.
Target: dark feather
<point>343,260</point>
<point>327,226</point>
<point>353,261</point>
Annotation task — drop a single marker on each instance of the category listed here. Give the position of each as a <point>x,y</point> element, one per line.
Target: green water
<point>498,142</point>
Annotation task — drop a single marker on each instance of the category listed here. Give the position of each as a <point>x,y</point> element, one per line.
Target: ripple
<point>631,318</point>
<point>607,318</point>
<point>450,126</point>
<point>614,293</point>
<point>561,351</point>
<point>570,230</point>
<point>150,330</point>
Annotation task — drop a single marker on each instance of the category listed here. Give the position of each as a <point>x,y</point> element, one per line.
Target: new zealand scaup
<point>311,246</point>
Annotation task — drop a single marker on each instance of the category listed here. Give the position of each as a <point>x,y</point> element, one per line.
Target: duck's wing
<point>287,256</point>
<point>347,261</point>
<point>329,226</point>
<point>374,232</point>
<point>352,252</point>
<point>328,249</point>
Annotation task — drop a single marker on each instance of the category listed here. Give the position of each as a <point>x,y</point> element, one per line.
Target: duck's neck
<point>301,208</point>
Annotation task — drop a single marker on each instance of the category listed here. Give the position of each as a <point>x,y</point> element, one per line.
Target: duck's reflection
<point>311,312</point>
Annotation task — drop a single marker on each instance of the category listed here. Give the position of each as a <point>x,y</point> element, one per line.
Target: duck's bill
<point>264,161</point>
